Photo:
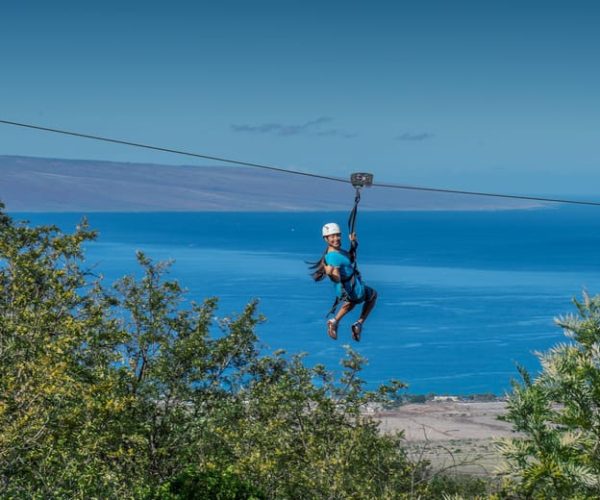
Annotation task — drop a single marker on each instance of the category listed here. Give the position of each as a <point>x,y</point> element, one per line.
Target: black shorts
<point>368,296</point>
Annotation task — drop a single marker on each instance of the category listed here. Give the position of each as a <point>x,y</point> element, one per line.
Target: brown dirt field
<point>454,436</point>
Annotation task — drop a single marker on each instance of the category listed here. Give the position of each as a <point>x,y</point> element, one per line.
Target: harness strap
<point>334,306</point>
<point>343,298</point>
<point>347,278</point>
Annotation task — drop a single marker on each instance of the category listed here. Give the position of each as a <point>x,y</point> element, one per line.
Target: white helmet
<point>331,228</point>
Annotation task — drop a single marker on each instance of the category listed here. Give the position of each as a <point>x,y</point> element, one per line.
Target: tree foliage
<point>129,391</point>
<point>558,414</point>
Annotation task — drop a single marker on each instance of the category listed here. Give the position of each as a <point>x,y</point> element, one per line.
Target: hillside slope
<point>48,185</point>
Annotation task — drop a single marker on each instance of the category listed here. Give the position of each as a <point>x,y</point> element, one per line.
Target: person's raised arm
<point>333,272</point>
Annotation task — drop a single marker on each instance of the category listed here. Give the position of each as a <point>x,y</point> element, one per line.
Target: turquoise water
<point>463,296</point>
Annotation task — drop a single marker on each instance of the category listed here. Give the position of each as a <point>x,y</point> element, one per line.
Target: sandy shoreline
<point>444,421</point>
<point>454,437</point>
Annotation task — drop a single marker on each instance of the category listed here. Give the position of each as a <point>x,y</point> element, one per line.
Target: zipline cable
<point>295,172</point>
<point>493,195</point>
<point>169,150</point>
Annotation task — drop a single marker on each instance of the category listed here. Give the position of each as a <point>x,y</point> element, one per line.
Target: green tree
<point>558,415</point>
<point>175,372</point>
<point>56,350</point>
<point>101,392</point>
<point>132,392</point>
<point>306,436</point>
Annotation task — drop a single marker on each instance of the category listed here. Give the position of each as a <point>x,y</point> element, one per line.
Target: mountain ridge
<point>34,184</point>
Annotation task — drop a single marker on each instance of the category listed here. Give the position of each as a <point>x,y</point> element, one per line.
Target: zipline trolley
<point>361,179</point>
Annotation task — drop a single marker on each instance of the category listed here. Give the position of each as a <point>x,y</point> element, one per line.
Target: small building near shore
<point>445,399</point>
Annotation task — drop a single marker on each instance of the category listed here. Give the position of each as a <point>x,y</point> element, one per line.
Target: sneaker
<point>356,331</point>
<point>332,327</point>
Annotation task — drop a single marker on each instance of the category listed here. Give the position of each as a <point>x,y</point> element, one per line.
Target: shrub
<point>124,392</point>
<point>558,414</point>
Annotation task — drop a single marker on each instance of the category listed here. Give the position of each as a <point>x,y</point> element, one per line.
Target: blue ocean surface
<point>463,296</point>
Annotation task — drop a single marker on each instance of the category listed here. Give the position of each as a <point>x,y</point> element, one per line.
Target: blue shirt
<point>341,260</point>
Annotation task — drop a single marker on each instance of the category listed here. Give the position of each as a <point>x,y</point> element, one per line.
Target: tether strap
<point>352,219</point>
<point>352,225</point>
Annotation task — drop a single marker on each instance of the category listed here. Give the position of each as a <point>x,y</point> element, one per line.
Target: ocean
<point>463,296</point>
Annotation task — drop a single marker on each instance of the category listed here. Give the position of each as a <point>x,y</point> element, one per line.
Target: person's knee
<point>348,306</point>
<point>373,295</point>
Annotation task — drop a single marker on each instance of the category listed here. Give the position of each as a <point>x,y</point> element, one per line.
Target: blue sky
<point>495,96</point>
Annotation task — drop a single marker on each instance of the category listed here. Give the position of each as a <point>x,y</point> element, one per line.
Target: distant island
<point>29,184</point>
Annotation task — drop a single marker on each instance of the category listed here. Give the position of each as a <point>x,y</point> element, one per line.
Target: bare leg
<point>332,324</point>
<point>345,309</point>
<point>368,307</point>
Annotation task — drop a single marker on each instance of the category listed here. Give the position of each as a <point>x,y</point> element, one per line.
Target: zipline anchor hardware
<point>361,180</point>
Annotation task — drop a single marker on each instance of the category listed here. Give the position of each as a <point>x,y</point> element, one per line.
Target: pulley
<point>361,179</point>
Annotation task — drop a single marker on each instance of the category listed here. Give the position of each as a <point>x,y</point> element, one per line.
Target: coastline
<point>453,436</point>
<point>446,420</point>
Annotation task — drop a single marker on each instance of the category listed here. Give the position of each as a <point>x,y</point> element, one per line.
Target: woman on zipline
<point>340,266</point>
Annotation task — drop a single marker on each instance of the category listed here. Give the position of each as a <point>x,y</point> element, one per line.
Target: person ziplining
<point>341,268</point>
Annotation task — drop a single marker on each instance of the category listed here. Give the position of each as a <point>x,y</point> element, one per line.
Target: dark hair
<point>318,268</point>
